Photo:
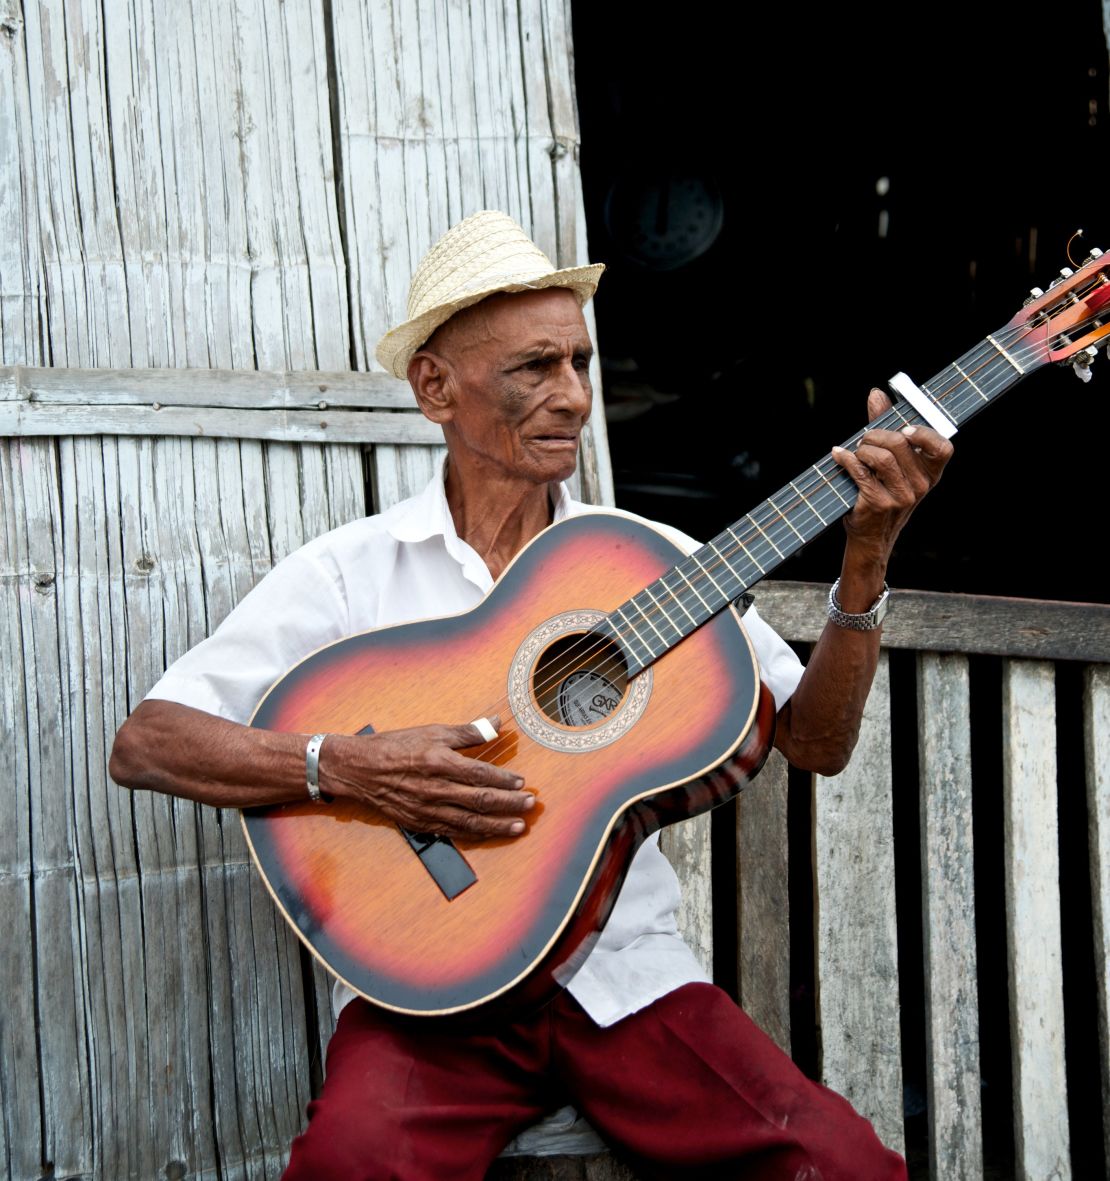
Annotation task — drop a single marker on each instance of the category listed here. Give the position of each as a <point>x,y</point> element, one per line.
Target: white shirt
<point>408,563</point>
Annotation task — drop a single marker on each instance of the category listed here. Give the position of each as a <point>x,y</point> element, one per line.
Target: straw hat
<point>481,255</point>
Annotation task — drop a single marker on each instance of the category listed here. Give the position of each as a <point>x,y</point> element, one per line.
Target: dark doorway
<point>797,202</point>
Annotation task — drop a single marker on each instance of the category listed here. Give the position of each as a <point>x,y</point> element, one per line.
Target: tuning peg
<point>1035,293</point>
<point>1082,362</point>
<point>1095,253</point>
<point>1065,273</point>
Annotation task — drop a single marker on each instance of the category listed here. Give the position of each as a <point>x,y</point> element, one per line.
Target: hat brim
<point>395,350</point>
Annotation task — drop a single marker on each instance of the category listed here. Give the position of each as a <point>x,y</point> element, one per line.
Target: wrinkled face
<point>516,386</point>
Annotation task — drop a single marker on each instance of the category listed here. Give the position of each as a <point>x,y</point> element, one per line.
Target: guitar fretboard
<point>719,572</point>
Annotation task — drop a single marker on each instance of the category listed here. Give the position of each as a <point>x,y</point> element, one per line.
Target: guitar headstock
<point>1069,321</point>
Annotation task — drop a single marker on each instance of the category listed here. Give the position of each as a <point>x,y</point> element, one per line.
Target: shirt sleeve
<point>294,610</point>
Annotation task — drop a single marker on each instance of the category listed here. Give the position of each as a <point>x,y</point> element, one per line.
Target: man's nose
<point>572,390</point>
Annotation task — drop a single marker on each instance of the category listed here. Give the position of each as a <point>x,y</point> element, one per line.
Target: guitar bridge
<point>442,860</point>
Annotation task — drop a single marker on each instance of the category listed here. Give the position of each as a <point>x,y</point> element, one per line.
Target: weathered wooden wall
<point>209,189</point>
<point>191,194</point>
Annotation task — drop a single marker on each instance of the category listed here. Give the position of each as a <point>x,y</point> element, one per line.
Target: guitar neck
<point>655,619</point>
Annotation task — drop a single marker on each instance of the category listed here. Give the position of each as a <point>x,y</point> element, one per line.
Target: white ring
<point>485,728</point>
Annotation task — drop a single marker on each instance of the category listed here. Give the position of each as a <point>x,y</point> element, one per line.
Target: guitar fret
<point>785,518</point>
<point>970,380</point>
<point>674,595</point>
<point>830,482</point>
<point>706,572</point>
<point>727,565</point>
<point>902,409</point>
<point>767,539</point>
<point>754,561</point>
<point>648,617</point>
<point>802,497</point>
<point>678,571</point>
<point>643,643</point>
<point>1005,354</point>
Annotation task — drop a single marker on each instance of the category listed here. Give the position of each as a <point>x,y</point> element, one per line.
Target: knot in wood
<point>145,564</point>
<point>43,580</point>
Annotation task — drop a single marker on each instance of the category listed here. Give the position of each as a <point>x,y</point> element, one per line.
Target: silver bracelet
<point>312,767</point>
<point>867,621</point>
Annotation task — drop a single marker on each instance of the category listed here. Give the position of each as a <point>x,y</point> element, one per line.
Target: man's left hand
<point>893,470</point>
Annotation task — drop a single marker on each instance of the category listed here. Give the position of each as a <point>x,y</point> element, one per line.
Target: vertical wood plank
<point>1096,735</point>
<point>21,281</point>
<point>21,1125</point>
<point>948,913</point>
<point>687,847</point>
<point>763,912</point>
<point>1033,922</point>
<point>857,946</point>
<point>402,472</point>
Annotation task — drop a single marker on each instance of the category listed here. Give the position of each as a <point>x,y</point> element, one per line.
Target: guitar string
<point>963,389</point>
<point>990,354</point>
<point>578,655</point>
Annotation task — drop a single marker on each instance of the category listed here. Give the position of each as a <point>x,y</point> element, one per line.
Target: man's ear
<point>430,379</point>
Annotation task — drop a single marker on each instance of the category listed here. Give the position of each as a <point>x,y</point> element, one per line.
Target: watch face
<point>663,220</point>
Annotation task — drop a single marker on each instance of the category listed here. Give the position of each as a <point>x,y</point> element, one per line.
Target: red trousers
<point>689,1087</point>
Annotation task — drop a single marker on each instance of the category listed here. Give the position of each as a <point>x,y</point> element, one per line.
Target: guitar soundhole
<point>580,680</point>
<point>568,686</point>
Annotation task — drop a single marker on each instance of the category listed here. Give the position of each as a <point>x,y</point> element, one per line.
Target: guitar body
<point>685,734</point>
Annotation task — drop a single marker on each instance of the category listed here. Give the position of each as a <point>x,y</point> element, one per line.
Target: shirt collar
<point>427,514</point>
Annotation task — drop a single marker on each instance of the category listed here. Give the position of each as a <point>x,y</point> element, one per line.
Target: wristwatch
<point>867,621</point>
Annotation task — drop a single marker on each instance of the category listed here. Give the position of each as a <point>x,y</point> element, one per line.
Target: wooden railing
<point>874,896</point>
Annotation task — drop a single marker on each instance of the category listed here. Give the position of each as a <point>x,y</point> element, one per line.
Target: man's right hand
<point>418,779</point>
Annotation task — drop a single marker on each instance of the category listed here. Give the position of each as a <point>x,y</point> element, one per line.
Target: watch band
<point>867,621</point>
<point>312,767</point>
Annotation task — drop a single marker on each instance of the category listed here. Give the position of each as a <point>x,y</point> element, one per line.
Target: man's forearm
<point>186,752</point>
<point>819,725</point>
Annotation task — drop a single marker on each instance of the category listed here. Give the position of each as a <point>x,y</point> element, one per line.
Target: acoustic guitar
<point>629,696</point>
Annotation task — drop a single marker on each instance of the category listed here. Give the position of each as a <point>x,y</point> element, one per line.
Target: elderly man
<point>664,1064</point>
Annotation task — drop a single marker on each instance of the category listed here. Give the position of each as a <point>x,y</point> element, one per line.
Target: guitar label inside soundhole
<point>569,687</point>
<point>586,697</point>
